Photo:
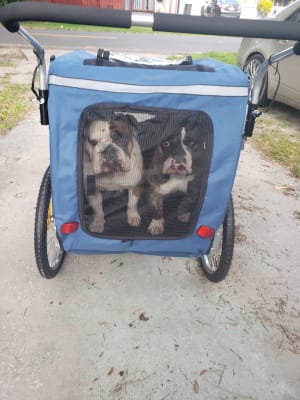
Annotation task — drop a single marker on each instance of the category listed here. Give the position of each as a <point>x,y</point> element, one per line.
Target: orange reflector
<point>205,232</point>
<point>69,227</point>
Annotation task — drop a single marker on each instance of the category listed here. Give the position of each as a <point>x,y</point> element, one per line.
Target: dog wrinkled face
<point>109,145</point>
<point>177,157</point>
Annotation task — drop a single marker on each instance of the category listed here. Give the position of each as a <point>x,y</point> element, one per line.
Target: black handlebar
<point>297,49</point>
<point>267,29</point>
<point>11,14</point>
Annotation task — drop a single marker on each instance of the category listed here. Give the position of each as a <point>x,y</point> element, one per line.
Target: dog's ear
<point>129,120</point>
<point>133,122</point>
<point>86,131</point>
<point>189,123</point>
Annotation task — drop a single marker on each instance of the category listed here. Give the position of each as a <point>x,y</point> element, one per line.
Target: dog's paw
<point>97,226</point>
<point>156,227</point>
<point>185,217</point>
<point>133,218</point>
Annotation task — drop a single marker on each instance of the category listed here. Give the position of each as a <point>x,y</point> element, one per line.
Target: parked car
<point>210,8</point>
<point>230,8</point>
<point>279,5</point>
<point>253,52</point>
<point>224,8</point>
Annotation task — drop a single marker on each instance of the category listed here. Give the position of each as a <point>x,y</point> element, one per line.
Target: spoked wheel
<point>216,263</point>
<point>49,253</point>
<point>250,68</point>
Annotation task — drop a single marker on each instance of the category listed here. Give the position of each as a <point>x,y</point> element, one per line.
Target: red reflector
<point>205,232</point>
<point>69,227</point>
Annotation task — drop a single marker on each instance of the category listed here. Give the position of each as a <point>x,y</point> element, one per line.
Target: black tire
<point>250,68</point>
<point>216,11</point>
<point>49,253</point>
<point>216,263</point>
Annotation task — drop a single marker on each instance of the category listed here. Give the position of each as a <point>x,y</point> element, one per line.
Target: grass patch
<point>226,57</point>
<point>278,146</point>
<point>89,28</point>
<point>14,100</point>
<point>7,63</point>
<point>92,28</point>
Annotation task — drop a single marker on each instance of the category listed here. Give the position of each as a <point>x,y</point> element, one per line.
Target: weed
<point>227,57</point>
<point>280,147</point>
<point>14,100</point>
<point>7,63</point>
<point>90,28</point>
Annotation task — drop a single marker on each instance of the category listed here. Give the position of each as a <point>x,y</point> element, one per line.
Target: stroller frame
<point>49,250</point>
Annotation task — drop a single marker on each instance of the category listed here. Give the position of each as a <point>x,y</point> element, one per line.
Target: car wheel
<point>250,68</point>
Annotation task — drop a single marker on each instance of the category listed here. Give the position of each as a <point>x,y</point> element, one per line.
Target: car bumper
<point>232,14</point>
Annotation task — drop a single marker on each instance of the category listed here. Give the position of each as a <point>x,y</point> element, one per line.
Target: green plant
<point>227,57</point>
<point>277,144</point>
<point>4,2</point>
<point>6,63</point>
<point>14,100</point>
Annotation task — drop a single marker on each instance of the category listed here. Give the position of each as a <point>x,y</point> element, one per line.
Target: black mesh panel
<point>142,171</point>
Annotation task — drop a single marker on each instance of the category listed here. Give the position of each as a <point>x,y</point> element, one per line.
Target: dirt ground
<point>136,327</point>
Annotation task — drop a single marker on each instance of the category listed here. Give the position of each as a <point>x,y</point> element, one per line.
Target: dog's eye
<point>165,144</point>
<point>118,136</point>
<point>189,143</point>
<point>93,142</point>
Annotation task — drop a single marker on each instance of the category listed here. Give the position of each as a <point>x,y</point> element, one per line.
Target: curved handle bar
<point>297,49</point>
<point>266,29</point>
<point>11,14</point>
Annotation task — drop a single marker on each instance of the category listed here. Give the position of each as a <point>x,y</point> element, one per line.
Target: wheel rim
<point>251,68</point>
<point>54,250</point>
<point>211,260</point>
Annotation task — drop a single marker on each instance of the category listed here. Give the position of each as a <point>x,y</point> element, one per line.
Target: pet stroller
<point>143,153</point>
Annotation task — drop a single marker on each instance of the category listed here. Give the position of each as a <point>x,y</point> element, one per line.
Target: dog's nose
<point>179,167</point>
<point>178,164</point>
<point>109,152</point>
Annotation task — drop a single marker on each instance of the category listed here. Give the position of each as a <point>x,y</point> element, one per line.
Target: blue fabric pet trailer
<point>211,95</point>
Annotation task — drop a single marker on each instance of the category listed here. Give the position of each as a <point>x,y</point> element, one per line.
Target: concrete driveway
<point>136,327</point>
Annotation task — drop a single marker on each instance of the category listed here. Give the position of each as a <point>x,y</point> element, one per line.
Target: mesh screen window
<point>142,171</point>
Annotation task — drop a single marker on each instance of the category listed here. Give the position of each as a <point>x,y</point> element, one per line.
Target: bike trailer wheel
<point>49,253</point>
<point>216,263</point>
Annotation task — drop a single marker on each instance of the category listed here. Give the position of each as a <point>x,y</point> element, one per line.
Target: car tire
<point>250,68</point>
